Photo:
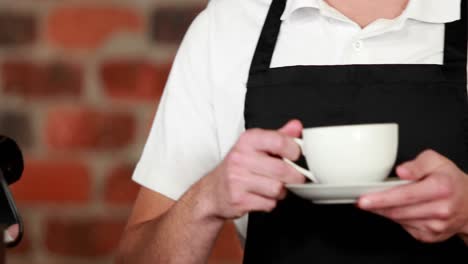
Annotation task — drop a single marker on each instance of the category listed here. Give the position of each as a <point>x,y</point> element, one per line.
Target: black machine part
<point>11,169</point>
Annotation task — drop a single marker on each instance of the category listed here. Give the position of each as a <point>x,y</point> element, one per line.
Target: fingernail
<point>365,203</point>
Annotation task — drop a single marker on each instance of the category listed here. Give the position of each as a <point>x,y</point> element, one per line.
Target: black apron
<point>429,102</point>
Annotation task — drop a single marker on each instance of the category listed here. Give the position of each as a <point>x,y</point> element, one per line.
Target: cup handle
<point>301,170</point>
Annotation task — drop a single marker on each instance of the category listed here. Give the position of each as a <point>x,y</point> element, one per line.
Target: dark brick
<point>42,80</point>
<point>17,29</point>
<point>134,80</point>
<point>91,237</point>
<point>16,125</point>
<point>169,24</point>
<point>75,128</point>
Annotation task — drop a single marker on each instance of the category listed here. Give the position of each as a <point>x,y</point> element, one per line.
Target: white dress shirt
<point>200,115</point>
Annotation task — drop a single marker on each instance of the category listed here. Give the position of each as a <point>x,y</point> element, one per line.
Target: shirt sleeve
<point>182,145</point>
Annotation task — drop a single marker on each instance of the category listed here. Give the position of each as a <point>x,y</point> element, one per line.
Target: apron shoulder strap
<point>455,50</point>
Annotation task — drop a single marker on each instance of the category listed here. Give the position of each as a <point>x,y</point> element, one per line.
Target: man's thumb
<point>292,128</point>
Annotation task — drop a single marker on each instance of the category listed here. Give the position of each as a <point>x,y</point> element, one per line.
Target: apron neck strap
<point>455,51</point>
<point>267,42</point>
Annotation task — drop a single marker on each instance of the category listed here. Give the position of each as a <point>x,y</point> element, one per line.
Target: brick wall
<point>79,85</point>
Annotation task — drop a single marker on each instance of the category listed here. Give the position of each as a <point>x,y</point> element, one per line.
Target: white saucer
<point>340,194</point>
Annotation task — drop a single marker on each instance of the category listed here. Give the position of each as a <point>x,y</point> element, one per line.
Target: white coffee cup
<point>349,154</point>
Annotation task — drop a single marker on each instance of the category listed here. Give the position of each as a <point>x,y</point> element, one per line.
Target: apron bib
<point>429,102</point>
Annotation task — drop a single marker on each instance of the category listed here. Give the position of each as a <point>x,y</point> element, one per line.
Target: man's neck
<point>364,12</point>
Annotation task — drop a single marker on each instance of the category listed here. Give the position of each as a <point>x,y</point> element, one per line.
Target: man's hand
<point>250,178</point>
<point>253,175</point>
<point>434,207</point>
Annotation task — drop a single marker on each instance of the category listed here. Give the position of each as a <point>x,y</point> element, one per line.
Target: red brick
<point>53,182</point>
<point>17,29</point>
<point>83,238</point>
<point>88,27</point>
<point>29,260</point>
<point>47,80</point>
<point>134,80</point>
<point>169,24</point>
<point>120,189</point>
<point>227,248</point>
<point>79,128</point>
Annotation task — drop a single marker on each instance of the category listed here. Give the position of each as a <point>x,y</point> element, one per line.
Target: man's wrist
<point>198,201</point>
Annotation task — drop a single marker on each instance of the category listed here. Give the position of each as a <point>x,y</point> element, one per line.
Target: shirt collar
<point>293,5</point>
<point>432,11</point>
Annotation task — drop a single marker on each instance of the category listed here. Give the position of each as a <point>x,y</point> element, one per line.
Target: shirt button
<point>358,45</point>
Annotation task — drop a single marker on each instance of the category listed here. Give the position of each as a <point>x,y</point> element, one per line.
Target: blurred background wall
<point>80,82</point>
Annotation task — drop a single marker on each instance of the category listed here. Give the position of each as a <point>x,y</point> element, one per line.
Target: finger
<point>268,166</point>
<point>426,190</point>
<point>263,186</point>
<point>292,128</point>
<point>429,231</point>
<point>8,238</point>
<point>259,203</point>
<point>271,142</point>
<point>13,231</point>
<point>415,225</point>
<point>432,210</point>
<point>415,232</point>
<point>424,164</point>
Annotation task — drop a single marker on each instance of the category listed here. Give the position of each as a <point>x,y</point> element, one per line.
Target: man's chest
<point>324,41</point>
